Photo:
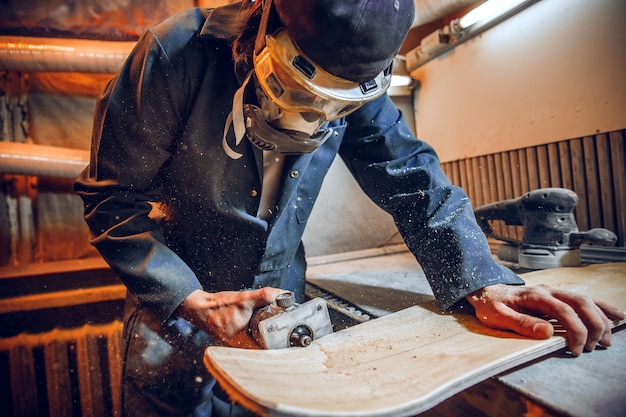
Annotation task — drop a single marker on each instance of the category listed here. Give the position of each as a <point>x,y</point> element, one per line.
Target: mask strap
<point>259,44</point>
<point>235,117</point>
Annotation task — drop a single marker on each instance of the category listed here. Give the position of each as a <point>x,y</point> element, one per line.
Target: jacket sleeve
<point>403,176</point>
<point>136,123</point>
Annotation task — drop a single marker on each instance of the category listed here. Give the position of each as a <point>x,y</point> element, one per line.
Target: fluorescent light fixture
<point>483,14</point>
<point>473,23</point>
<point>400,80</point>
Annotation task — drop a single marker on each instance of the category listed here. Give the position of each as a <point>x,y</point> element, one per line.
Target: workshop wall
<point>536,101</point>
<point>553,71</point>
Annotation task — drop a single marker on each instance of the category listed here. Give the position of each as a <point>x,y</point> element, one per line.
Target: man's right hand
<point>225,315</point>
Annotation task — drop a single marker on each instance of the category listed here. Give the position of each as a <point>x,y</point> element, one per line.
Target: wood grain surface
<point>398,365</point>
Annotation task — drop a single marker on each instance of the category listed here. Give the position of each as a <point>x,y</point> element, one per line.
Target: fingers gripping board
<point>398,365</point>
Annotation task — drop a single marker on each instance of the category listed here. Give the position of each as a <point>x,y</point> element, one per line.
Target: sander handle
<point>597,236</point>
<point>506,210</point>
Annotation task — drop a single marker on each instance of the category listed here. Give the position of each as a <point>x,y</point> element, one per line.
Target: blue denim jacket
<point>171,212</point>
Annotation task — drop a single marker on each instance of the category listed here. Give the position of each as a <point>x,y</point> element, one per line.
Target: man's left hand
<point>517,307</point>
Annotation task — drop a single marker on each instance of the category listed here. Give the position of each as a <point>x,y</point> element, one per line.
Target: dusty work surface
<point>401,364</point>
<point>591,385</point>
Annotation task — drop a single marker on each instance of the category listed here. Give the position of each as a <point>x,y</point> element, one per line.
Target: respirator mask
<point>296,97</point>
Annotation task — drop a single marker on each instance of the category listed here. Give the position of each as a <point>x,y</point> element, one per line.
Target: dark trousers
<point>163,372</point>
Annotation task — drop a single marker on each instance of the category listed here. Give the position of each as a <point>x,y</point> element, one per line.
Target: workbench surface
<point>382,281</point>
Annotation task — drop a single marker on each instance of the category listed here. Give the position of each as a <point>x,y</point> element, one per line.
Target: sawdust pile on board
<point>358,357</point>
<point>364,351</point>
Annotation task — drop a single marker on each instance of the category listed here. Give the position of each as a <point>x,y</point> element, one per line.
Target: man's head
<point>351,39</point>
<point>319,60</point>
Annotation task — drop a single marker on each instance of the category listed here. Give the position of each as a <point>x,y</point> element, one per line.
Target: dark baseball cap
<point>351,39</point>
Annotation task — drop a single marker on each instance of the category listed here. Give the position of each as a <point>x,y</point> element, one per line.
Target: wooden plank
<point>590,175</point>
<point>543,167</point>
<point>580,185</point>
<point>453,172</point>
<point>469,185</point>
<point>554,165</point>
<point>57,375</point>
<point>114,351</point>
<point>507,174</point>
<point>398,365</point>
<point>618,163</point>
<point>497,193</point>
<point>463,177</point>
<point>484,178</point>
<point>606,182</point>
<point>500,177</point>
<point>532,168</point>
<point>567,179</point>
<point>506,168</point>
<point>516,181</point>
<point>89,374</point>
<point>23,381</point>
<point>473,177</point>
<point>492,180</point>
<point>523,172</point>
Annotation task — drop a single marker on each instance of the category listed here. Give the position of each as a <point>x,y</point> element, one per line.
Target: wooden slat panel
<point>594,167</point>
<point>81,344</point>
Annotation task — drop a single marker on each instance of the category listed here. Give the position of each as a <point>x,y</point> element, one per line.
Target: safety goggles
<point>296,84</point>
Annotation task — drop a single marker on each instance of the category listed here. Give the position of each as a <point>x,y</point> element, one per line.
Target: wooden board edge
<point>230,387</point>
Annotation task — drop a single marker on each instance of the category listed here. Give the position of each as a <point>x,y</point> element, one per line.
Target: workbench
<point>381,281</point>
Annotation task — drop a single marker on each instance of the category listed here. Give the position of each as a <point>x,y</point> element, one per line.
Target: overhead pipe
<point>54,55</point>
<point>32,54</point>
<point>41,161</point>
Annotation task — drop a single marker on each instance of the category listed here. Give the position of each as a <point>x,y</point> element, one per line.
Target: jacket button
<point>254,193</point>
<point>294,174</point>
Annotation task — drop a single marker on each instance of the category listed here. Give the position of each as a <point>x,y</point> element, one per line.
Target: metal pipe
<point>41,161</point>
<point>20,53</point>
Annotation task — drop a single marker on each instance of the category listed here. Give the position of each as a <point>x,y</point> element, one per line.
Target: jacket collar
<point>224,22</point>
